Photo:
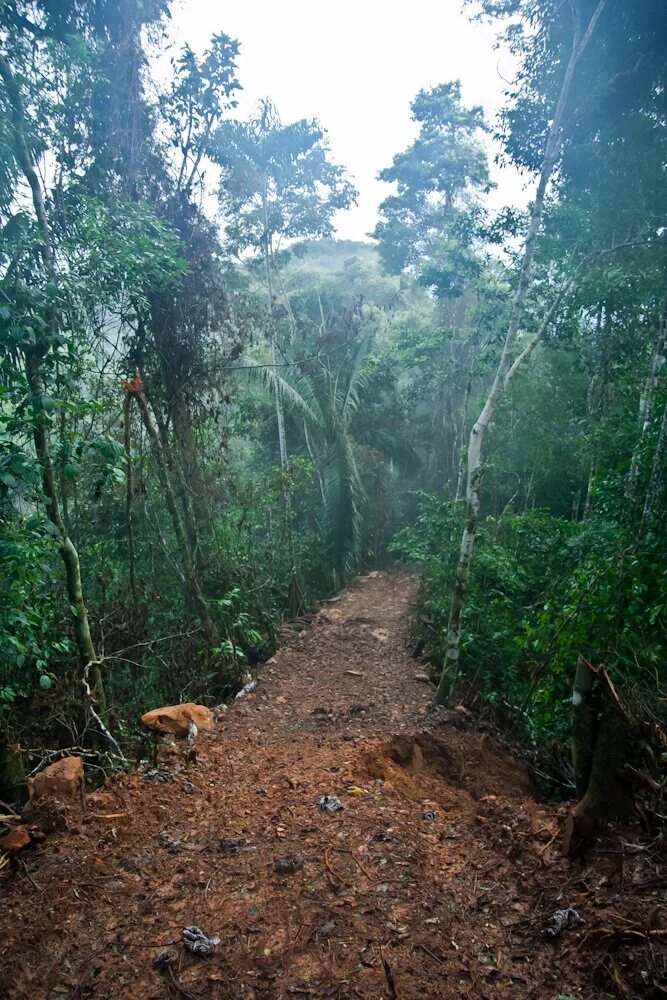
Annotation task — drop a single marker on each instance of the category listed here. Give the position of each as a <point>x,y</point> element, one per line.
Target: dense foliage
<point>207,423</point>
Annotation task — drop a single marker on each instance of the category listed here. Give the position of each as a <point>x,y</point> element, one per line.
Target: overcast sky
<point>356,65</point>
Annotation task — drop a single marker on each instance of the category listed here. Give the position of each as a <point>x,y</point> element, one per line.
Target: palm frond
<point>300,397</point>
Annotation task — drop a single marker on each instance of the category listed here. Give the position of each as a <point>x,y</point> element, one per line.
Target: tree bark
<point>507,367</point>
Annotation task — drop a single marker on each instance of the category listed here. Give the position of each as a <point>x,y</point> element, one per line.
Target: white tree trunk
<point>506,368</point>
<point>657,480</point>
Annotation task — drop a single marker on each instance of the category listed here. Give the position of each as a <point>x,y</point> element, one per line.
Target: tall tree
<point>429,226</point>
<point>278,184</point>
<point>510,360</point>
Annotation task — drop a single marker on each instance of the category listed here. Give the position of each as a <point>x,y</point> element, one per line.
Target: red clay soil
<point>438,878</point>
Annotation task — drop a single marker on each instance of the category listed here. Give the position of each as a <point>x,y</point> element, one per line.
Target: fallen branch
<point>346,850</point>
<point>91,708</point>
<point>181,989</point>
<point>643,934</point>
<point>68,752</point>
<point>422,947</point>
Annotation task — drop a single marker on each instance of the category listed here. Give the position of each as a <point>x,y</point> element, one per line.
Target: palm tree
<point>326,395</point>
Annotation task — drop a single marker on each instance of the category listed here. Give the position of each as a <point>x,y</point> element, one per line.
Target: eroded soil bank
<point>437,878</point>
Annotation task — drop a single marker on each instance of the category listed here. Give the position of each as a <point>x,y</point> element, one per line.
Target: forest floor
<point>437,878</point>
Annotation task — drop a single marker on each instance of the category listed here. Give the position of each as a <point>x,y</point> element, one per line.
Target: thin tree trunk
<point>584,713</point>
<point>588,502</point>
<point>316,465</point>
<point>296,595</point>
<point>127,404</point>
<point>34,358</point>
<point>175,469</point>
<point>193,588</point>
<point>506,369</point>
<point>464,421</point>
<point>657,480</point>
<point>646,404</point>
<point>193,478</point>
<point>602,733</point>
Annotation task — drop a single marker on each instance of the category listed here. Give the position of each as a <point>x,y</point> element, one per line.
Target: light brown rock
<point>175,719</point>
<point>62,780</point>
<point>16,840</point>
<point>101,800</point>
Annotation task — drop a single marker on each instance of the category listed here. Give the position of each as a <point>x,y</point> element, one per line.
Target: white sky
<point>356,65</point>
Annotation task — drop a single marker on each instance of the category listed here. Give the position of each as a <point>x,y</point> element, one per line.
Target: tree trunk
<point>191,474</point>
<point>601,741</point>
<point>34,358</point>
<point>507,367</point>
<point>584,713</point>
<point>657,480</point>
<point>194,593</point>
<point>128,496</point>
<point>646,404</point>
<point>295,587</point>
<point>464,421</point>
<point>175,470</point>
<point>588,502</point>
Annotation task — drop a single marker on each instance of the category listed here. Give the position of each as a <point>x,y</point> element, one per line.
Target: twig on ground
<point>422,947</point>
<point>389,976</point>
<point>327,865</point>
<point>181,989</point>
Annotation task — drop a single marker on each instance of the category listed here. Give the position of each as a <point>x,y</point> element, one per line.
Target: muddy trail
<point>438,877</point>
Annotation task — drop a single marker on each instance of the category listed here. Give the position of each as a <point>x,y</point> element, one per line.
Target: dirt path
<point>435,879</point>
